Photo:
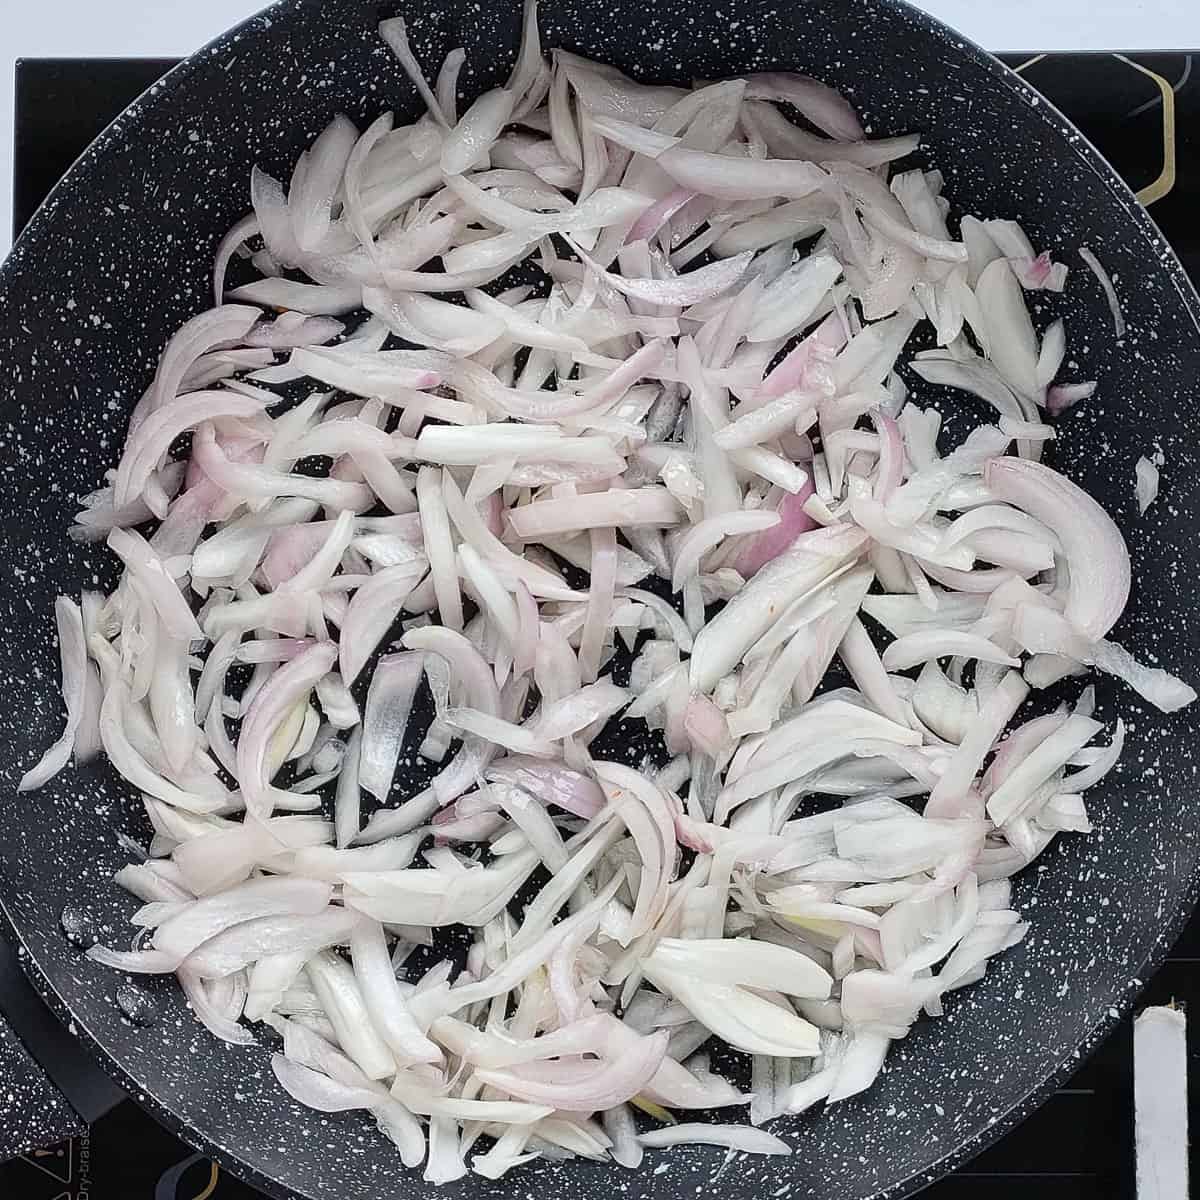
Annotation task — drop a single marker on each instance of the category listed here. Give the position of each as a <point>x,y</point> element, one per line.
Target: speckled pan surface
<point>119,256</point>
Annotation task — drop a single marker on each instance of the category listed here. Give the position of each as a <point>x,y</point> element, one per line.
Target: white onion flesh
<point>693,398</point>
<point>1146,476</point>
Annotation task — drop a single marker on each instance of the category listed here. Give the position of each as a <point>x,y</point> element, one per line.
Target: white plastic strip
<point>1160,1104</point>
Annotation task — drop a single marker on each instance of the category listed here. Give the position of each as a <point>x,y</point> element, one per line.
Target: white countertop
<point>167,28</point>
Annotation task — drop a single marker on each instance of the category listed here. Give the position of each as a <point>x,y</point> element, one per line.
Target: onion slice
<point>1093,545</point>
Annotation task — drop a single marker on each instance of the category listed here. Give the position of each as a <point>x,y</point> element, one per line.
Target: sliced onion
<point>570,1088</point>
<point>386,1006</point>
<point>684,289</point>
<point>1065,395</point>
<point>1094,548</point>
<point>338,992</point>
<point>918,648</point>
<point>317,1091</point>
<point>701,538</point>
<point>73,655</point>
<point>290,685</point>
<point>746,964</point>
<point>389,707</point>
<point>551,783</point>
<point>435,527</point>
<point>626,509</point>
<point>712,416</point>
<point>740,1017</point>
<point>1011,340</point>
<point>478,129</point>
<point>372,612</point>
<point>1146,475</point>
<point>178,936</point>
<point>394,31</point>
<point>810,559</point>
<point>1014,793</point>
<point>794,520</point>
<point>1110,292</point>
<point>733,1137</point>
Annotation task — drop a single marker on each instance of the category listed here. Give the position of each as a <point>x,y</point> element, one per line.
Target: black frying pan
<point>119,256</point>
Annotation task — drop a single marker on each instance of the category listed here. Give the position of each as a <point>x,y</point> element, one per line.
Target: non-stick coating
<point>120,255</point>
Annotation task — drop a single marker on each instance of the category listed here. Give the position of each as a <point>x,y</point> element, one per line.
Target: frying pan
<point>119,256</point>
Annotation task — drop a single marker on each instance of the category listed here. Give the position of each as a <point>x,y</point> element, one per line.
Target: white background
<point>115,28</point>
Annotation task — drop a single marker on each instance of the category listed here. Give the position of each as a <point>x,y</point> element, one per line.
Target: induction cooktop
<point>68,1134</point>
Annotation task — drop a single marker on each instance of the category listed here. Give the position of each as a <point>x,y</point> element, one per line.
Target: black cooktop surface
<point>1143,112</point>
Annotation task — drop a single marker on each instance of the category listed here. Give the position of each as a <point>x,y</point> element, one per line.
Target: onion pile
<point>624,346</point>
